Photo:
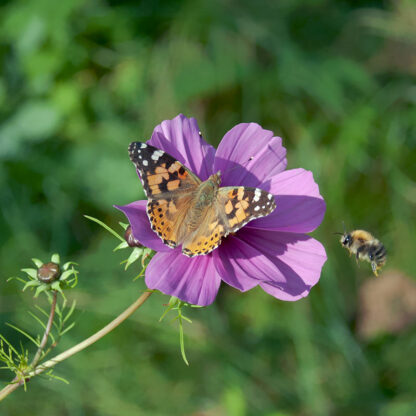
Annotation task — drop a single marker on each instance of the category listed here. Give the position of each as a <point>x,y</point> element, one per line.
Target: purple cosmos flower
<point>272,251</point>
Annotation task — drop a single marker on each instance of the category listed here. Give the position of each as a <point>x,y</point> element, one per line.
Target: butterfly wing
<point>239,205</point>
<point>161,174</point>
<point>167,217</point>
<point>170,187</point>
<point>234,208</point>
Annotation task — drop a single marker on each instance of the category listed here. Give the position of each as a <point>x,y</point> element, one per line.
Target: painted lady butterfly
<point>184,210</point>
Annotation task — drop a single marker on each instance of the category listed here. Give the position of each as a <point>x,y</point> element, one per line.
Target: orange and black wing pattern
<point>160,173</point>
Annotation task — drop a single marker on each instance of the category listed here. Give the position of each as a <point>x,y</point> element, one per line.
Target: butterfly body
<point>204,197</point>
<point>182,209</point>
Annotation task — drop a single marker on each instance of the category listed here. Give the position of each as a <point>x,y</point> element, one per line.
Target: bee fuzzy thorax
<point>365,247</point>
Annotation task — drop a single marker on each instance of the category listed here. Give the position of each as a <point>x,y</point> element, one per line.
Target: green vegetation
<point>335,79</point>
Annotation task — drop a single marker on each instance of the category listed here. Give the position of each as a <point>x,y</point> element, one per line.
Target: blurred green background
<point>334,78</point>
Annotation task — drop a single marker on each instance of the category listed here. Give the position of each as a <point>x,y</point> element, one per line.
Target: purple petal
<point>300,207</point>
<point>288,264</point>
<point>140,225</point>
<point>181,139</point>
<point>193,280</point>
<point>233,260</point>
<point>259,154</point>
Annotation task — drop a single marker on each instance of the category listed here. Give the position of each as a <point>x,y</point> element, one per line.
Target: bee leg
<point>373,259</point>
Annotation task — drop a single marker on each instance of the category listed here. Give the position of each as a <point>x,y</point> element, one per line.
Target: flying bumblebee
<point>365,247</point>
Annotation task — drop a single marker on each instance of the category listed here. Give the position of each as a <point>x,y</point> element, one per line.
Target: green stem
<point>77,348</point>
<point>47,331</point>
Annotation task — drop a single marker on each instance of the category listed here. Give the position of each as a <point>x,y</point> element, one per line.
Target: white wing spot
<point>156,155</point>
<point>257,208</point>
<point>257,195</point>
<point>143,146</point>
<point>270,196</point>
<point>145,162</point>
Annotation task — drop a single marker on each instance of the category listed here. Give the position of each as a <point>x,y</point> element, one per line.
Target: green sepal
<point>66,274</point>
<point>33,273</point>
<point>121,245</point>
<point>55,258</point>
<point>173,301</point>
<point>57,286</point>
<point>38,263</point>
<point>123,225</point>
<point>41,288</point>
<point>146,253</point>
<point>169,308</point>
<point>30,283</point>
<point>135,254</point>
<point>67,264</point>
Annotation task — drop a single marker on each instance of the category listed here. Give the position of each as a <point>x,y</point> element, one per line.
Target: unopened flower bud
<point>131,241</point>
<point>49,272</point>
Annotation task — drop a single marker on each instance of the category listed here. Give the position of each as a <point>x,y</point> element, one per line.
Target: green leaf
<point>36,318</point>
<point>33,273</point>
<point>24,333</point>
<point>110,230</point>
<point>49,373</point>
<point>44,313</point>
<point>8,344</point>
<point>182,342</point>
<point>42,324</point>
<point>68,328</point>
<point>70,312</point>
<point>41,310</point>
